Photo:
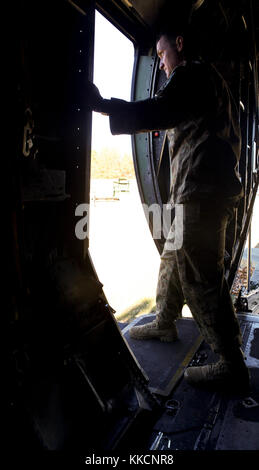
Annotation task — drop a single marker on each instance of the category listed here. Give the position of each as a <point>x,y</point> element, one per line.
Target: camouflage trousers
<point>192,271</point>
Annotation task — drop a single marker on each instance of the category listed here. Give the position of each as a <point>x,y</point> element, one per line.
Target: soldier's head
<point>170,50</point>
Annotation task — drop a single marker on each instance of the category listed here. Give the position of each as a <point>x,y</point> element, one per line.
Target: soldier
<point>196,109</point>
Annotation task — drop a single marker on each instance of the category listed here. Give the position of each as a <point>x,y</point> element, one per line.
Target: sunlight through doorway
<point>123,252</point>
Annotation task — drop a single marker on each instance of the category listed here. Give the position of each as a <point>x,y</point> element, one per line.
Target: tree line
<point>110,163</point>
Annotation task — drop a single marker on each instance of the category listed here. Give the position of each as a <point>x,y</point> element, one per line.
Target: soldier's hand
<point>93,97</point>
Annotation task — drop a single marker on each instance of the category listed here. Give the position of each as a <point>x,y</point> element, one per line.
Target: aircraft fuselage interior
<point>73,378</point>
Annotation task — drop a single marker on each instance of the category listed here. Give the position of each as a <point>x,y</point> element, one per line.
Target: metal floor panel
<point>164,363</point>
<point>240,427</point>
<point>201,419</point>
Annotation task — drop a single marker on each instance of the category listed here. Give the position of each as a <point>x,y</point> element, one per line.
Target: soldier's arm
<point>175,102</point>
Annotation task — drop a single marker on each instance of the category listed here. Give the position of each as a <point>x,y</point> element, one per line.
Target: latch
<point>28,133</point>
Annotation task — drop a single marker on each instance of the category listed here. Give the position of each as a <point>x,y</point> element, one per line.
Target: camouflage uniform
<point>197,110</point>
<point>195,273</point>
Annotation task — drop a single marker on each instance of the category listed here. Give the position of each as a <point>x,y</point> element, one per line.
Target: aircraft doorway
<point>123,252</point>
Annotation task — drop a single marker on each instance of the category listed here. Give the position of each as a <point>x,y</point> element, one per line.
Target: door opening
<point>123,252</point>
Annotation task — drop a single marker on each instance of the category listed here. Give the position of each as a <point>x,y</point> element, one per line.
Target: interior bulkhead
<point>73,379</point>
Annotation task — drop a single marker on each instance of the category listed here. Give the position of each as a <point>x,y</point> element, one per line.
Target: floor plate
<point>164,363</point>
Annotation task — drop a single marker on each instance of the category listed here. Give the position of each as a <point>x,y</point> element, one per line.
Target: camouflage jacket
<point>196,108</point>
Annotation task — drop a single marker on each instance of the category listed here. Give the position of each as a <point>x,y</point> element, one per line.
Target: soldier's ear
<point>179,43</point>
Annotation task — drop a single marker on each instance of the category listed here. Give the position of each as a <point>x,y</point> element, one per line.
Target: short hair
<point>170,35</point>
<point>190,48</point>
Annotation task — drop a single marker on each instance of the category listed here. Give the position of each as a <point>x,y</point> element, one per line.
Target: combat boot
<point>155,329</point>
<point>230,372</point>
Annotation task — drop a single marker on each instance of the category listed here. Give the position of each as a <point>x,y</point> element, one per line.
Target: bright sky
<point>113,65</point>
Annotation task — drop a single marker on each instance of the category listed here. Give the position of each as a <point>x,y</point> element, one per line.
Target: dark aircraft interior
<point>73,378</point>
